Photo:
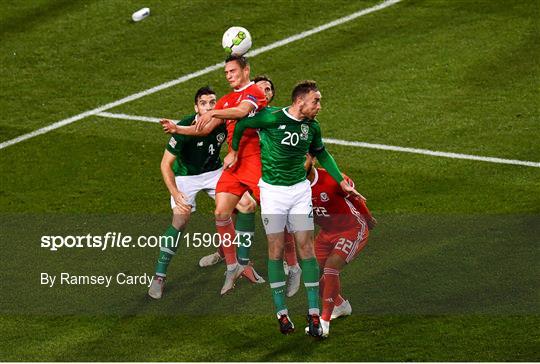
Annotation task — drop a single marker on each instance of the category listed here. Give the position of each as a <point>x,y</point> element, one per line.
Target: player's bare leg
<point>225,204</point>
<point>168,250</point>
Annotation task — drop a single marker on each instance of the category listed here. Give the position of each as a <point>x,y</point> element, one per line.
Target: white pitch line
<point>129,117</point>
<point>432,152</point>
<point>190,76</point>
<point>369,145</point>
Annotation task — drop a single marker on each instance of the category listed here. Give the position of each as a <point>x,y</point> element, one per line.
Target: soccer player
<point>245,99</point>
<point>265,84</point>
<point>293,270</point>
<point>344,223</point>
<point>286,136</point>
<point>189,165</point>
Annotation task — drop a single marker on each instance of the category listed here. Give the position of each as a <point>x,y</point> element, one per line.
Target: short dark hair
<point>267,79</point>
<point>303,88</point>
<point>242,61</point>
<point>206,90</point>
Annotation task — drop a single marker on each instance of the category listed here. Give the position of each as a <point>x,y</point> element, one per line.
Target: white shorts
<point>191,185</point>
<point>286,206</point>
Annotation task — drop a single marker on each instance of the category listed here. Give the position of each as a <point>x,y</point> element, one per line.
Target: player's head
<point>237,71</point>
<point>306,97</point>
<point>266,85</point>
<point>205,100</point>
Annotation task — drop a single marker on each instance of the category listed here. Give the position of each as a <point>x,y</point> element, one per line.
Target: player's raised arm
<point>170,127</point>
<point>233,113</point>
<point>262,120</point>
<point>318,150</point>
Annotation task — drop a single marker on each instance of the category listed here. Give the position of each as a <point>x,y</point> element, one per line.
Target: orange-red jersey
<point>332,210</point>
<point>249,145</point>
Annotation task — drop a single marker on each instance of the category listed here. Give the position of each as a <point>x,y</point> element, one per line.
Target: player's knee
<point>305,247</point>
<point>246,205</point>
<point>336,262</point>
<point>180,218</point>
<point>222,214</point>
<point>306,253</point>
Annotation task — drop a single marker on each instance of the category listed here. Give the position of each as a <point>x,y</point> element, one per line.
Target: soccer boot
<point>230,277</point>
<point>251,274</point>
<point>285,268</point>
<point>344,309</point>
<point>325,326</point>
<point>293,280</point>
<point>210,259</point>
<point>156,288</point>
<point>314,326</point>
<point>286,326</point>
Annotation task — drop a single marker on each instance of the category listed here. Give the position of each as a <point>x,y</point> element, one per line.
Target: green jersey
<point>196,155</point>
<point>285,141</point>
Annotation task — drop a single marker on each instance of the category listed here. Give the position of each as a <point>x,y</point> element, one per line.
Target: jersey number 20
<point>290,139</point>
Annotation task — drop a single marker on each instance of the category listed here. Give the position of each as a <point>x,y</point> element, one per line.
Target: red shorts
<point>243,177</point>
<point>347,244</point>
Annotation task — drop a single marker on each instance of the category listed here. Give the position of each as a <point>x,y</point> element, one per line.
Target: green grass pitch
<point>451,272</point>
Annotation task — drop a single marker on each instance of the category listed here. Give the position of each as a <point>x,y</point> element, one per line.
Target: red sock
<point>226,226</point>
<point>290,249</point>
<point>330,292</point>
<point>321,286</point>
<point>220,251</point>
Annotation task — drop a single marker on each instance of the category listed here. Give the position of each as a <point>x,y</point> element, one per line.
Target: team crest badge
<point>220,137</point>
<point>305,130</point>
<point>324,197</point>
<point>266,221</point>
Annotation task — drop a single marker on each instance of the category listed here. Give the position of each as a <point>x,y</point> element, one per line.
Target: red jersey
<point>249,145</point>
<point>332,210</point>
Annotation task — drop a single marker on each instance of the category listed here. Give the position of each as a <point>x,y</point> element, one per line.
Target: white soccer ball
<point>236,41</point>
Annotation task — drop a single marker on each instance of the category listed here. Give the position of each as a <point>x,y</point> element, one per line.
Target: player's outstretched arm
<point>168,178</point>
<point>328,162</point>
<point>262,120</point>
<point>170,127</point>
<point>318,150</point>
<point>233,113</point>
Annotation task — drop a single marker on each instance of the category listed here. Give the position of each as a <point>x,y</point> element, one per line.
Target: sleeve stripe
<point>252,103</point>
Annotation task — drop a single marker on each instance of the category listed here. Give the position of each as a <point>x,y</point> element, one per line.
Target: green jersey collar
<point>289,115</point>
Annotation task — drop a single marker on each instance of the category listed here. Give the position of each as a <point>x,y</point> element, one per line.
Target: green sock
<point>245,228</point>
<point>310,273</point>
<point>167,250</point>
<point>277,279</point>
